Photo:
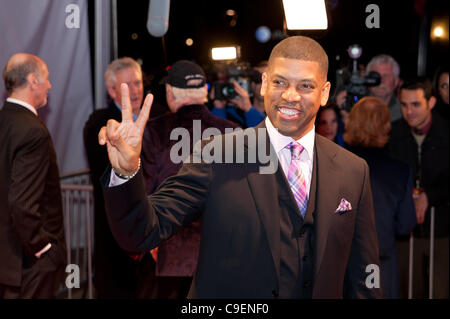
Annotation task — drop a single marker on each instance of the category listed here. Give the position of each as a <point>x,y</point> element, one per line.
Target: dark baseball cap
<point>184,74</point>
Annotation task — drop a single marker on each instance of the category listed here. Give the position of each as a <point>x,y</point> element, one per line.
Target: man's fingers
<point>126,104</point>
<point>238,88</point>
<point>102,136</point>
<point>145,112</point>
<point>111,130</point>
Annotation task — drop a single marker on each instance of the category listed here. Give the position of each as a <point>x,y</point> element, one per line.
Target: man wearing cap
<point>186,93</point>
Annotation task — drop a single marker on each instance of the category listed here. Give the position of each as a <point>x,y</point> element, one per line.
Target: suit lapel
<point>326,190</point>
<point>265,190</point>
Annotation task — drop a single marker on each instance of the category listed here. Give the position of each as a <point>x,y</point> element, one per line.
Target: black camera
<point>242,74</point>
<point>356,85</point>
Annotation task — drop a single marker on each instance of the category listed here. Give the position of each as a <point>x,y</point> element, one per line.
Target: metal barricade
<point>431,261</point>
<point>78,210</point>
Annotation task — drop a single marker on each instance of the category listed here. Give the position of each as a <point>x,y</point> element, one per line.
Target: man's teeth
<point>289,112</point>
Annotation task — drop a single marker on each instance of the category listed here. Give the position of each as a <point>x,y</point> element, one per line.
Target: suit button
<point>275,293</point>
<point>307,284</point>
<point>305,258</point>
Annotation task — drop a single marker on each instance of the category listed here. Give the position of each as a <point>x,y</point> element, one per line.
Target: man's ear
<point>432,102</point>
<point>169,93</point>
<point>112,93</point>
<point>263,84</point>
<point>32,80</point>
<point>325,93</point>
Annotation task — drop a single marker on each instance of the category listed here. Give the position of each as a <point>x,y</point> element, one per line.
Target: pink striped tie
<point>296,178</point>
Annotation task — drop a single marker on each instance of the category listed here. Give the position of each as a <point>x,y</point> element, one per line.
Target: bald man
<point>32,246</point>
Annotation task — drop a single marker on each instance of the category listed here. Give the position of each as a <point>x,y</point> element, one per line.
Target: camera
<point>242,74</point>
<point>356,85</point>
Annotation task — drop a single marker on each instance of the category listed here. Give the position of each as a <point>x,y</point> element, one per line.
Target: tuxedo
<point>30,207</point>
<point>252,232</point>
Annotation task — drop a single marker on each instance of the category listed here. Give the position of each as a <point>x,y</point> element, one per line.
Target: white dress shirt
<point>279,143</point>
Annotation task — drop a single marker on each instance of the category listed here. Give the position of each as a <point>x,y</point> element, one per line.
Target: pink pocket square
<point>344,206</point>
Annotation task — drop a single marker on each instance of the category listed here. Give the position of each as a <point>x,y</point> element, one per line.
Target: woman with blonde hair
<point>367,133</point>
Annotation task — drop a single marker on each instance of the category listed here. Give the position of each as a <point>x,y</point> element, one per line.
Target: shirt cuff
<point>116,180</point>
<point>43,250</point>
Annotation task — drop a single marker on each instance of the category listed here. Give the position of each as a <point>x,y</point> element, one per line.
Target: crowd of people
<point>171,230</point>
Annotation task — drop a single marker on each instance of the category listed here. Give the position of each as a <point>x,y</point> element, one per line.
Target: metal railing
<point>78,211</point>
<point>431,261</point>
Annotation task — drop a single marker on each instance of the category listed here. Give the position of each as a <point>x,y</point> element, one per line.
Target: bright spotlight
<point>438,32</point>
<point>305,14</point>
<point>224,53</point>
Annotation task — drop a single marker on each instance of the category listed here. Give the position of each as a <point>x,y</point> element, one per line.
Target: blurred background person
<point>421,139</point>
<point>339,96</point>
<point>238,109</point>
<point>389,71</point>
<point>186,94</point>
<point>258,100</point>
<point>328,122</point>
<point>367,133</point>
<point>32,242</point>
<point>440,86</point>
<point>114,269</point>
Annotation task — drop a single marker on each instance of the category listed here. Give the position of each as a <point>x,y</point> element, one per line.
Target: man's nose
<point>291,95</point>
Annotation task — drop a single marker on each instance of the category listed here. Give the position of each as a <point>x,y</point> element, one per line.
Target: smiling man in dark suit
<point>304,231</point>
<point>32,245</point>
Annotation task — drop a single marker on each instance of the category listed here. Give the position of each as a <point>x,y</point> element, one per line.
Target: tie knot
<point>296,149</point>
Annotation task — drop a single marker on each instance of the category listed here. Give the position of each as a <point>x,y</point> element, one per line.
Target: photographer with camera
<point>231,100</point>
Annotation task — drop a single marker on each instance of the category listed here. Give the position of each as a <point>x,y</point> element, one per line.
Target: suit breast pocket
<point>342,229</point>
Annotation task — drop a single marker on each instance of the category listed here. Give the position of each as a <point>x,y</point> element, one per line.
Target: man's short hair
<point>301,48</point>
<point>181,95</point>
<point>368,124</point>
<point>419,83</point>
<point>118,65</point>
<point>15,75</point>
<point>384,58</point>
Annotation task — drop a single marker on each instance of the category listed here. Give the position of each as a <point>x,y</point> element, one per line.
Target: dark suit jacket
<point>177,256</point>
<point>30,195</point>
<point>241,208</point>
<point>392,185</point>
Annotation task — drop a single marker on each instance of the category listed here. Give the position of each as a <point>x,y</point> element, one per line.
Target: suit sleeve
<point>364,249</point>
<point>140,223</point>
<point>405,217</point>
<point>29,170</point>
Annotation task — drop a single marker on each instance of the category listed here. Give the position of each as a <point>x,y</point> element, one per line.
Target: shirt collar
<point>22,103</point>
<point>120,109</point>
<point>280,141</point>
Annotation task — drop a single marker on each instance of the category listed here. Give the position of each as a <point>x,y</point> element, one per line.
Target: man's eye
<point>278,82</point>
<point>307,86</point>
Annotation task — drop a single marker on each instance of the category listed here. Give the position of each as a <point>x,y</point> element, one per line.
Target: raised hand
<point>124,140</point>
<point>243,102</point>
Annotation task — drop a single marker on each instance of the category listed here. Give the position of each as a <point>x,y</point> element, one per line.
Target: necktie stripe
<point>296,177</point>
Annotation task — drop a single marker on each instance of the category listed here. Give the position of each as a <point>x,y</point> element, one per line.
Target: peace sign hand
<point>124,140</point>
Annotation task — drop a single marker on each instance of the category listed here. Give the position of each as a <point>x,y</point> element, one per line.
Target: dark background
<point>208,25</point>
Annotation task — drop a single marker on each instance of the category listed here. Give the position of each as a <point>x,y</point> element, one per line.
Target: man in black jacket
<point>32,244</point>
<point>115,270</point>
<point>421,139</point>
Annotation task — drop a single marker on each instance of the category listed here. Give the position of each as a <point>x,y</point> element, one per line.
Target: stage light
<point>189,42</point>
<point>230,12</point>
<point>438,32</point>
<point>354,51</point>
<point>305,14</point>
<point>225,53</point>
